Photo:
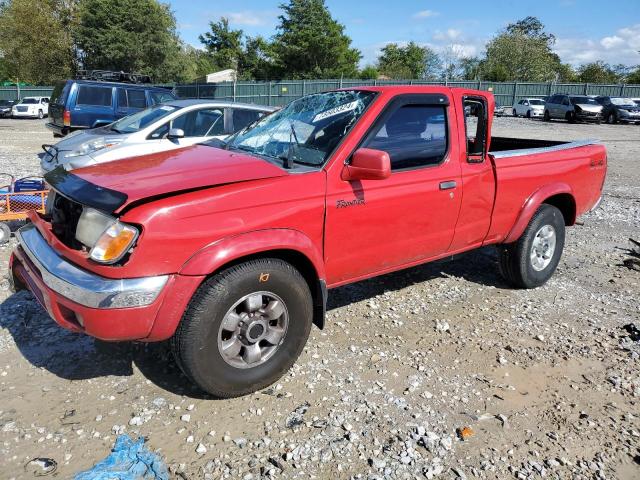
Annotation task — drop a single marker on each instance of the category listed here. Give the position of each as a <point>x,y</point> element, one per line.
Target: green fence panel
<point>281,92</point>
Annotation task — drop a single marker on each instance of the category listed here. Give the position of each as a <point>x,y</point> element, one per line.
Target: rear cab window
<point>94,96</point>
<point>476,126</point>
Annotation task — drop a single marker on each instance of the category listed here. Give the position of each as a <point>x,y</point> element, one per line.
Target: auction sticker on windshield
<point>347,107</point>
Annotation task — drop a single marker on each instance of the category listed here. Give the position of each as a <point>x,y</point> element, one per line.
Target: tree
<point>408,62</point>
<point>370,72</point>
<point>470,67</point>
<point>223,44</point>
<point>522,51</point>
<point>35,40</point>
<point>310,44</point>
<point>634,77</point>
<point>597,72</point>
<point>129,35</point>
<point>256,61</point>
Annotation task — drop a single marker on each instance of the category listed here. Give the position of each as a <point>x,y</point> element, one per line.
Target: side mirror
<point>175,133</point>
<point>367,164</point>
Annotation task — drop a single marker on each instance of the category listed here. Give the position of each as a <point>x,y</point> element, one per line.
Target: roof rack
<point>110,76</point>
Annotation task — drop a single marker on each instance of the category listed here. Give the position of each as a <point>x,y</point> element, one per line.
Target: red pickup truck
<point>228,248</point>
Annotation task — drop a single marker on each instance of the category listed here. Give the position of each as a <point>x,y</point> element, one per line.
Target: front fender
<point>210,258</point>
<point>531,205</point>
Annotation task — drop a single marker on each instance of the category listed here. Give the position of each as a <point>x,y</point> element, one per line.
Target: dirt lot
<point>547,380</point>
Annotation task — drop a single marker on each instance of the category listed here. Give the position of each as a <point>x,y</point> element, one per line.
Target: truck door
<point>477,171</point>
<point>377,225</point>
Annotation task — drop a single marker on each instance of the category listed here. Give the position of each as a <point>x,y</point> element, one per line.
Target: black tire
<point>514,259</point>
<point>195,343</point>
<point>611,118</point>
<point>40,114</point>
<point>5,233</point>
<point>528,113</point>
<point>546,117</point>
<point>515,113</point>
<point>571,117</point>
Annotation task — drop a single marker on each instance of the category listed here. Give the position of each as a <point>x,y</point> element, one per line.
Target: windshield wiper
<point>289,159</point>
<point>113,129</point>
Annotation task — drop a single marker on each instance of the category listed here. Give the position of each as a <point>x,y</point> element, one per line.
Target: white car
<point>529,107</point>
<point>31,107</point>
<point>168,126</point>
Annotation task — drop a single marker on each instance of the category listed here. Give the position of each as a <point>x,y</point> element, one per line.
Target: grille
<point>64,215</point>
<point>22,109</point>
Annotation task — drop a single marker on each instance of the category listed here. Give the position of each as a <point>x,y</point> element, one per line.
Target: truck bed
<point>512,147</point>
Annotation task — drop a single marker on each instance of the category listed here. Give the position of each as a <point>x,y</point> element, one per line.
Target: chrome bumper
<point>84,287</point>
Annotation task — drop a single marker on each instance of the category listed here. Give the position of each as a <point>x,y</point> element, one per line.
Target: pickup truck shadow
<point>73,356</point>
<point>478,266</point>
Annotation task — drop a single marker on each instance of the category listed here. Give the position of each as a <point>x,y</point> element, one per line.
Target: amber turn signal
<point>114,243</point>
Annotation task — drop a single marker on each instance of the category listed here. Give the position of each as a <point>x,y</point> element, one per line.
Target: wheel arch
<point>559,195</point>
<point>291,246</point>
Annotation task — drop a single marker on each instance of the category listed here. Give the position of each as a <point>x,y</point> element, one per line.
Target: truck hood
<point>114,185</point>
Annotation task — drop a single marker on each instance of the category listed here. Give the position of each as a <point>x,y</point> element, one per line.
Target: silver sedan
<point>163,127</point>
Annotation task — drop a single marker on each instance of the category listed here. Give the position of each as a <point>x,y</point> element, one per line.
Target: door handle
<point>448,185</point>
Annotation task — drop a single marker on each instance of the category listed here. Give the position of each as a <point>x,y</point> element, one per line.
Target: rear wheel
<point>528,113</point>
<point>570,117</point>
<point>532,260</point>
<point>515,113</point>
<point>546,116</point>
<point>244,328</point>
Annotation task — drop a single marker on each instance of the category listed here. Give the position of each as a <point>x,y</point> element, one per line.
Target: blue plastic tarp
<point>128,460</point>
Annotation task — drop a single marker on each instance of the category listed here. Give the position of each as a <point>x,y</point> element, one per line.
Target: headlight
<point>114,243</point>
<point>108,238</point>
<point>92,146</point>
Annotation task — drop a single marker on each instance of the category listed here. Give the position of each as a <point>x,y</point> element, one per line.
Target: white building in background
<point>229,75</point>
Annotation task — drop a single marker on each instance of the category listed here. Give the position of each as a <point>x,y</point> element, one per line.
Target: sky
<point>586,30</point>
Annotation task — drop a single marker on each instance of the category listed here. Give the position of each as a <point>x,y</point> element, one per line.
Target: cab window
<point>414,135</point>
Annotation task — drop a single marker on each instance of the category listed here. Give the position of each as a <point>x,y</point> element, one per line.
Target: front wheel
<point>244,328</point>
<point>546,116</point>
<point>515,113</point>
<point>40,114</point>
<point>528,113</point>
<point>532,260</point>
<point>611,118</point>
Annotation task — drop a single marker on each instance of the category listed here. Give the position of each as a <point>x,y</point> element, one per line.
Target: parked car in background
<point>498,111</point>
<point>175,124</point>
<point>5,107</point>
<point>229,249</point>
<point>529,107</point>
<point>573,108</point>
<point>619,109</point>
<point>30,107</point>
<point>82,104</point>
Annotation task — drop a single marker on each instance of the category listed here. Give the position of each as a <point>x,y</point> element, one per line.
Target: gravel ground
<point>438,371</point>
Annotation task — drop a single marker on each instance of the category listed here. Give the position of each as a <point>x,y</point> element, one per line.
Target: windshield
<point>536,102</point>
<point>583,101</point>
<point>5,103</point>
<point>138,121</point>
<point>29,100</point>
<point>307,130</point>
<point>620,101</point>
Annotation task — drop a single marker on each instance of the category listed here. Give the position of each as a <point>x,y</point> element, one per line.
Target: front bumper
<point>16,114</point>
<point>588,117</point>
<point>109,309</point>
<point>537,113</point>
